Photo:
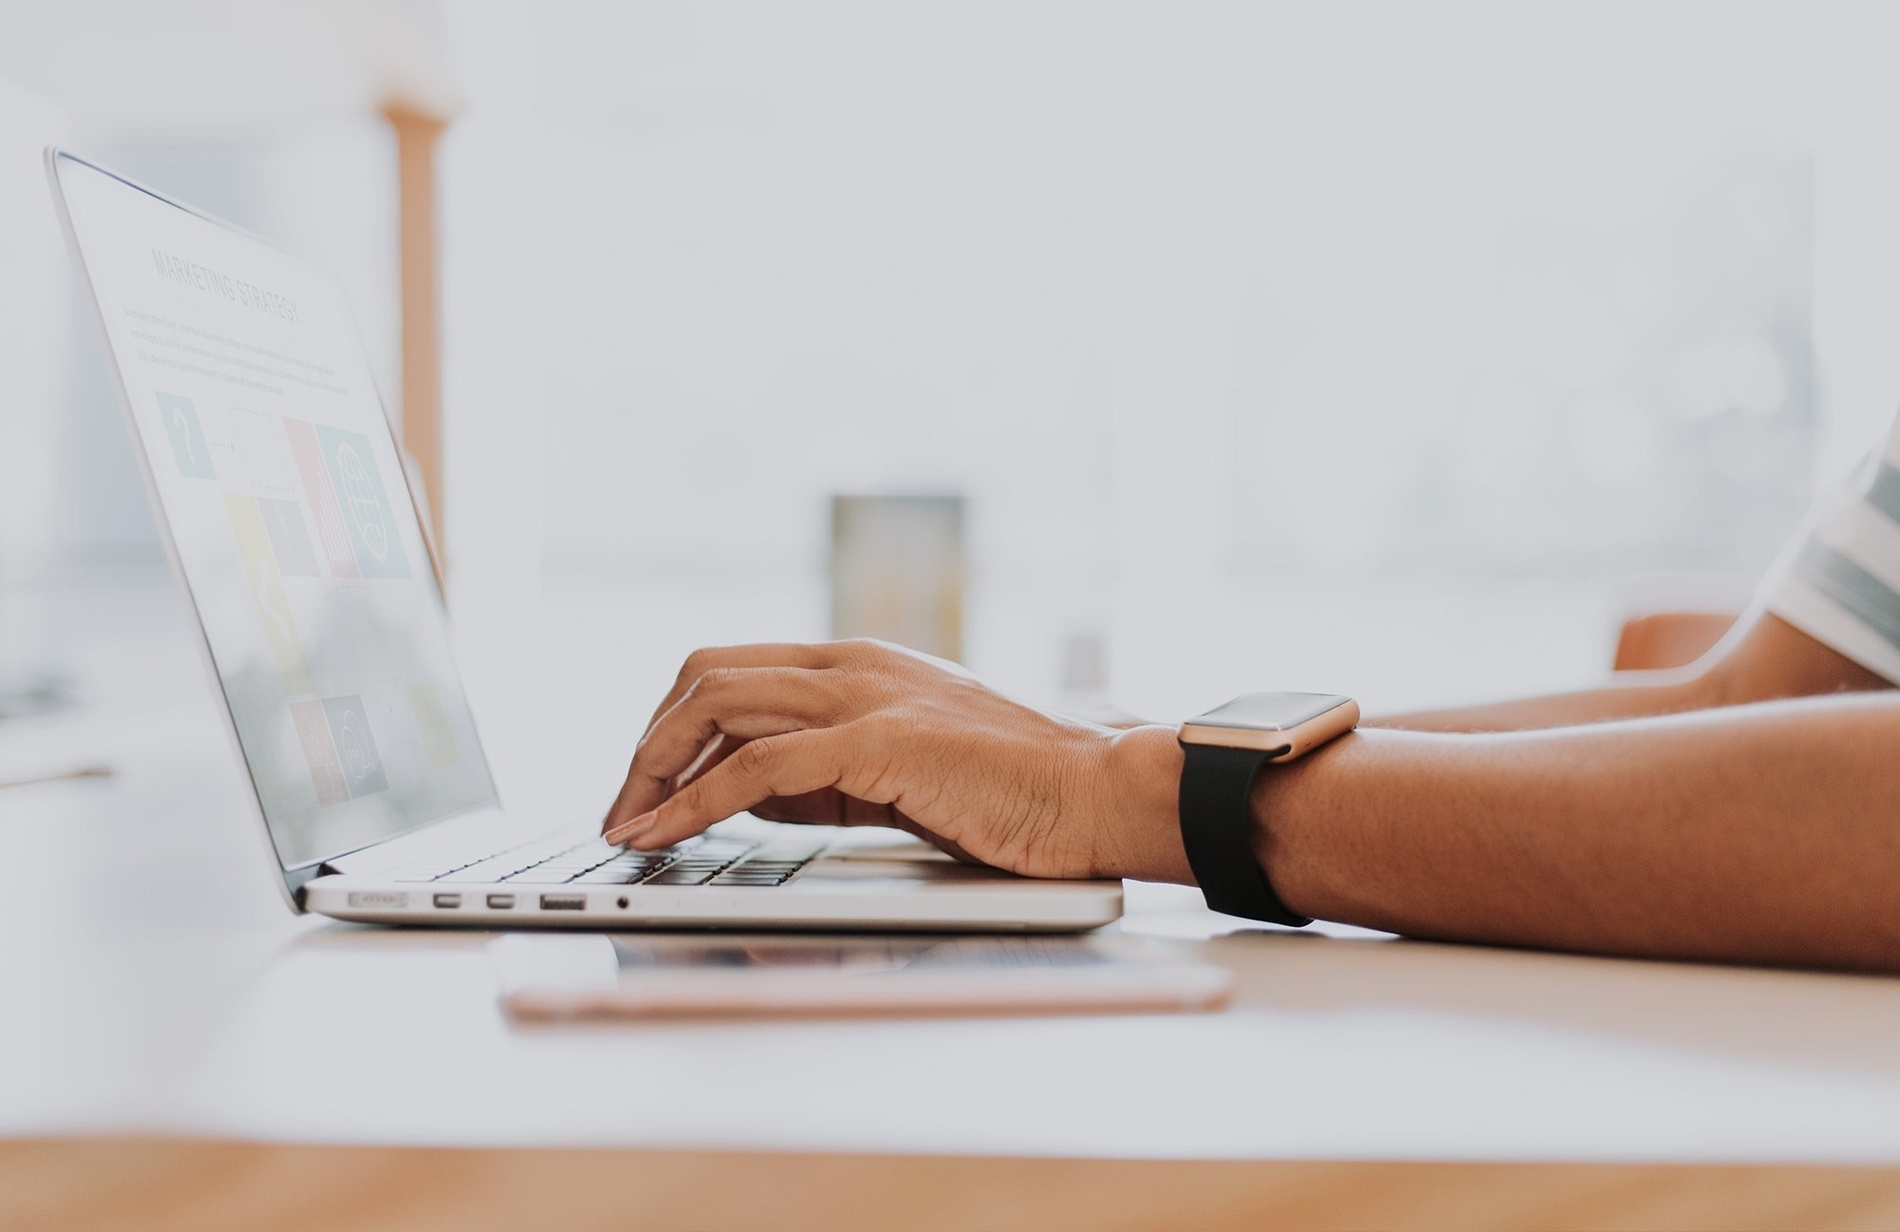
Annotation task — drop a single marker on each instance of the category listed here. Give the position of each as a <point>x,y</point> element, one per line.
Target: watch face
<point>1270,711</point>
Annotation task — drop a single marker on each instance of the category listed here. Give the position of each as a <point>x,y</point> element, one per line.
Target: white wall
<point>35,320</point>
<point>1857,257</point>
<point>1120,274</point>
<point>36,313</point>
<point>1124,273</point>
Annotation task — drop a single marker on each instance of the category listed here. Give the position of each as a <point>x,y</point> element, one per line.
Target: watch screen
<point>1268,711</point>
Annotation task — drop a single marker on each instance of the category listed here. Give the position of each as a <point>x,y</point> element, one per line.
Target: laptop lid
<point>288,516</point>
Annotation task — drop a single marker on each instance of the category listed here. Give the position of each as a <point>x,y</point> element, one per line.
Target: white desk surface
<point>155,983</point>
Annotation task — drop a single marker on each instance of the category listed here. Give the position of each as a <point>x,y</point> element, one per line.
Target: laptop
<point>288,516</point>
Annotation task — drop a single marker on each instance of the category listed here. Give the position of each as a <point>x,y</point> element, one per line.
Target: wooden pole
<point>417,135</point>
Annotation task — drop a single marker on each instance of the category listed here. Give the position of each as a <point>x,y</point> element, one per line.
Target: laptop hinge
<point>476,827</point>
<point>296,878</point>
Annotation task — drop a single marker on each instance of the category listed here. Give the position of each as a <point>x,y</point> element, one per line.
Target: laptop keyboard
<point>701,861</point>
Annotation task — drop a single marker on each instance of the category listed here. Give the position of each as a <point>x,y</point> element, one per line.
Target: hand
<point>863,733</point>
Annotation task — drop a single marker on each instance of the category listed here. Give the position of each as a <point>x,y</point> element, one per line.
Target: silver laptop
<point>288,516</point>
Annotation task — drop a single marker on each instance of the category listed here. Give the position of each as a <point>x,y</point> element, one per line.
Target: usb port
<point>563,902</point>
<point>448,900</point>
<point>500,902</point>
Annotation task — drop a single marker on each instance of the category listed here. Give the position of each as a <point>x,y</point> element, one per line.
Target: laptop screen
<point>290,517</point>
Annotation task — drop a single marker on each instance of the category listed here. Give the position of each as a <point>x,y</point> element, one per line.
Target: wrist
<point>1296,809</point>
<point>1137,801</point>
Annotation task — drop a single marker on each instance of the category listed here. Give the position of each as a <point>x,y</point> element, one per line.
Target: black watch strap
<point>1217,828</point>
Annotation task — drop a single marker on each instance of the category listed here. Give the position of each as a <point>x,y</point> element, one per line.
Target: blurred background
<point>1138,354</point>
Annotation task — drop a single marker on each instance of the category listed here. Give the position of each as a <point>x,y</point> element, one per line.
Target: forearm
<point>1762,833</point>
<point>1637,695</point>
<point>1765,658</point>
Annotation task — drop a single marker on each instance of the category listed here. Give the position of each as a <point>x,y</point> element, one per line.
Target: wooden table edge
<point>161,1183</point>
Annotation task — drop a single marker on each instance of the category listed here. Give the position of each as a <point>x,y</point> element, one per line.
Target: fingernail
<point>630,830</point>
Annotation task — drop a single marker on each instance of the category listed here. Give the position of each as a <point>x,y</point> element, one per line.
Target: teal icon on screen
<point>365,503</point>
<point>188,439</point>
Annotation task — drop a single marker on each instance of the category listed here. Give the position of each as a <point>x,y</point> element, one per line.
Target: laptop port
<point>448,900</point>
<point>500,902</point>
<point>563,902</point>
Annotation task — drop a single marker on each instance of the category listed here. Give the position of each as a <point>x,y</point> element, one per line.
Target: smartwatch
<point>1224,749</point>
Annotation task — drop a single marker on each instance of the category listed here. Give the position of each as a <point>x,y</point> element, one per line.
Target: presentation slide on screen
<point>285,498</point>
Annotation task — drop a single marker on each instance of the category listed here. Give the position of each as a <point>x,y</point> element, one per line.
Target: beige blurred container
<point>898,571</point>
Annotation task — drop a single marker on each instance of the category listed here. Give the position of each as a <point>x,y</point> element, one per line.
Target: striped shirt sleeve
<point>1840,584</point>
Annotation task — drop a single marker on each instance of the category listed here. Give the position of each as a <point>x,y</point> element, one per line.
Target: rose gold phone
<point>554,976</point>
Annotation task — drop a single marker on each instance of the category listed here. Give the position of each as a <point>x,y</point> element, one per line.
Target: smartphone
<point>549,976</point>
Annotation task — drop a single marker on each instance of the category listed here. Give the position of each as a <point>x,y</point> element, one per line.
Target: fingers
<point>782,766</point>
<point>738,704</point>
<point>787,654</point>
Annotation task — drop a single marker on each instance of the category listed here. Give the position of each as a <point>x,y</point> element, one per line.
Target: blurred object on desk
<point>33,694</point>
<point>1085,692</point>
<point>897,571</point>
<point>59,776</point>
<point>36,674</point>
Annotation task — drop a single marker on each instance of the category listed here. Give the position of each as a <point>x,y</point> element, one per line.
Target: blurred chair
<point>1668,639</point>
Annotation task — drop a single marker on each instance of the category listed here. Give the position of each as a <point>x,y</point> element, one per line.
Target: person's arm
<point>1763,659</point>
<point>1761,832</point>
<point>1757,833</point>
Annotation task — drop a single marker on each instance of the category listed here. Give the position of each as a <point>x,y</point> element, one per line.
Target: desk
<point>178,1045</point>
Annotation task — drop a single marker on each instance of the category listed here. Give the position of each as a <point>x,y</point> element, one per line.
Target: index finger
<point>796,764</point>
<point>733,703</point>
<point>698,663</point>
